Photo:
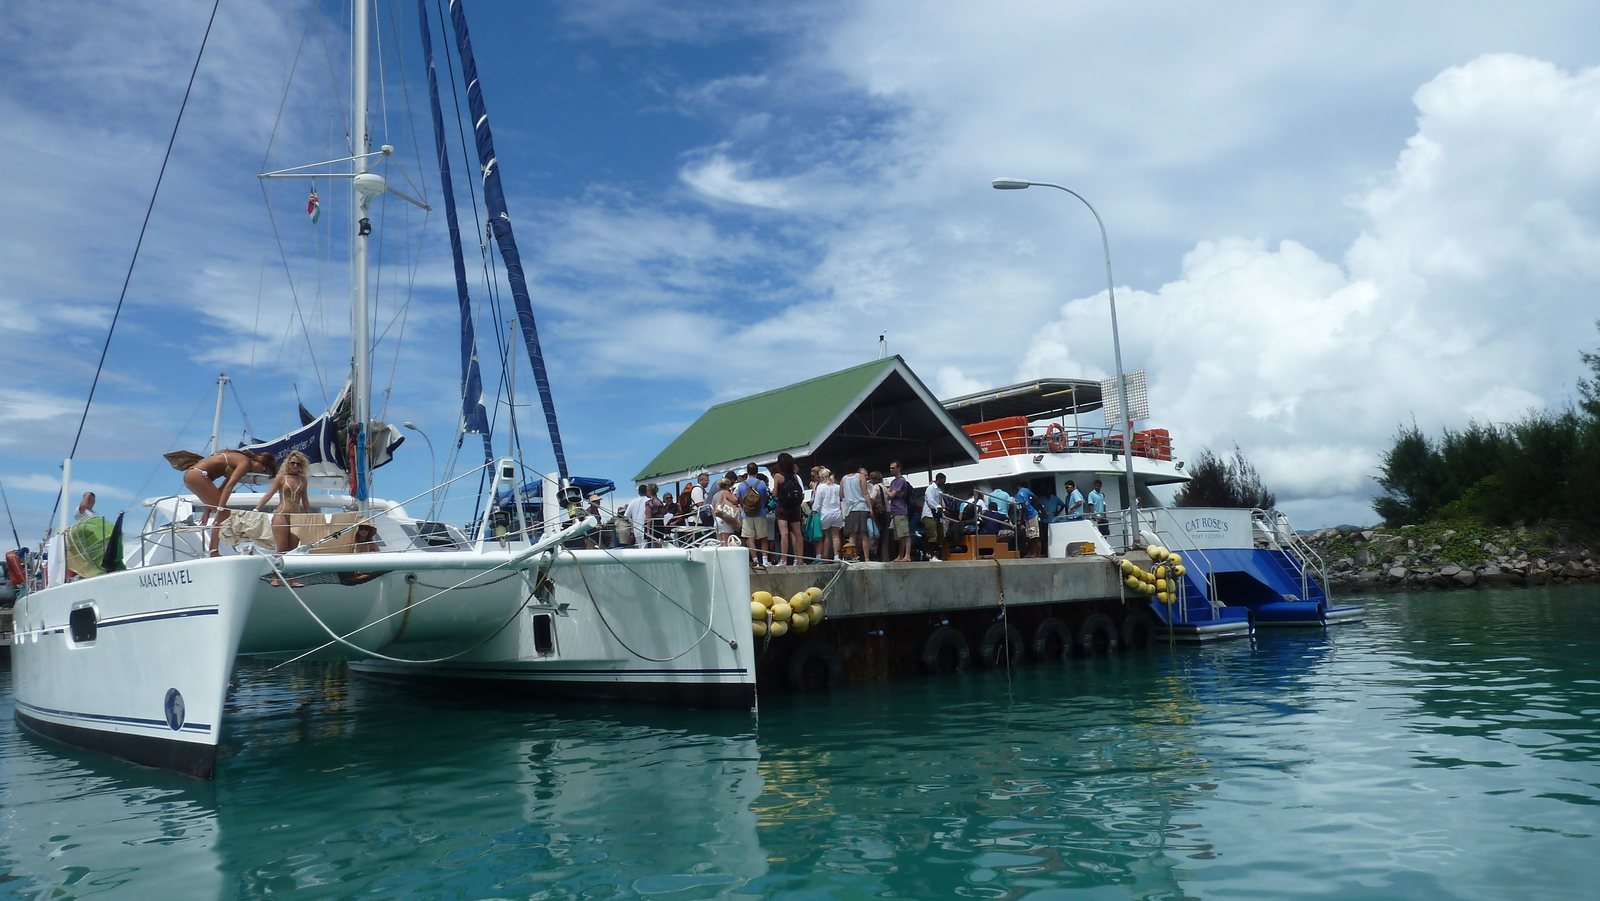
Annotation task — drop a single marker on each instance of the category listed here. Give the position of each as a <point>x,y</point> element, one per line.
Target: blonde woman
<point>290,487</point>
<point>825,500</point>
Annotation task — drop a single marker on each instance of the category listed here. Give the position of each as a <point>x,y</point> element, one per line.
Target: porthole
<point>83,624</point>
<point>544,639</point>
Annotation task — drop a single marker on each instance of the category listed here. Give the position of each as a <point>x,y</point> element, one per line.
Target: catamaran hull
<point>135,664</point>
<point>664,626</point>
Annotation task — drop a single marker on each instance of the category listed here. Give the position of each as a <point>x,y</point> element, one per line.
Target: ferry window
<point>83,625</point>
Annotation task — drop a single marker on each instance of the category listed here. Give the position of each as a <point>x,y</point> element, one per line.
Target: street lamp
<point>433,472</point>
<point>1130,499</point>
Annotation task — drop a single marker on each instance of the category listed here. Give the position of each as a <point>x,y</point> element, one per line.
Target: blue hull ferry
<point>1241,566</point>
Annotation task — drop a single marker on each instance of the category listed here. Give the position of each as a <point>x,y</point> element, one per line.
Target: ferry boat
<point>1243,567</point>
<point>135,660</point>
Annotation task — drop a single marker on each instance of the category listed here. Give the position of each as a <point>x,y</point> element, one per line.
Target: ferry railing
<point>1075,439</point>
<point>1282,536</point>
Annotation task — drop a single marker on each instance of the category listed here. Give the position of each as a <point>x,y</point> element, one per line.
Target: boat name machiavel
<point>166,578</point>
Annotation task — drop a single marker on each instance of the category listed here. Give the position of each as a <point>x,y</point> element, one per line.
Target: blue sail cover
<point>494,199</point>
<point>474,418</point>
<point>533,492</point>
<point>326,443</point>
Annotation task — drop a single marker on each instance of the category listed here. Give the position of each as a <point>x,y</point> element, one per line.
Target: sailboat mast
<point>361,226</point>
<point>216,419</point>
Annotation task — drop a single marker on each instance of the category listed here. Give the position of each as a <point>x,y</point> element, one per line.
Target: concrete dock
<point>893,619</point>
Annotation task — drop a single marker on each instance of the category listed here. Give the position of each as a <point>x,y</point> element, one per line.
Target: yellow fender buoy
<point>799,622</point>
<point>764,598</point>
<point>782,611</point>
<point>758,610</point>
<point>759,627</point>
<point>778,630</point>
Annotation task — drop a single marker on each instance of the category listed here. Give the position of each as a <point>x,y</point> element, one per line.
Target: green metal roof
<point>760,425</point>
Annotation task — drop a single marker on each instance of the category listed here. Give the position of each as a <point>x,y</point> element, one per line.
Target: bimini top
<point>1036,399</point>
<point>873,413</point>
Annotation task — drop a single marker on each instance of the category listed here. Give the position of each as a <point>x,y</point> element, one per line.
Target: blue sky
<point>1326,219</point>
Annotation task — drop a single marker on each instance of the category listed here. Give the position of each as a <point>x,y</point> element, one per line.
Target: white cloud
<point>52,485</point>
<point>1465,296</point>
<point>723,179</point>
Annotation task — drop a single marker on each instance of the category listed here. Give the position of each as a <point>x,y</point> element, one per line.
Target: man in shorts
<point>899,492</point>
<point>933,518</point>
<point>755,530</point>
<point>1027,518</point>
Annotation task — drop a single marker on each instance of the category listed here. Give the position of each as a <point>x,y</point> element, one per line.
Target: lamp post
<point>433,473</point>
<point>1130,499</point>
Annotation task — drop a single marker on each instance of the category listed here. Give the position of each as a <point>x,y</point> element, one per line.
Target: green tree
<point>1220,482</point>
<point>1410,476</point>
<point>1589,388</point>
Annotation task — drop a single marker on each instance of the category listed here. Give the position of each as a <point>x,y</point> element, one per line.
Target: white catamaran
<point>136,662</point>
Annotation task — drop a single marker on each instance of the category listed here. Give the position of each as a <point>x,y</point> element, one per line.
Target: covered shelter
<point>872,413</point>
<point>1038,399</point>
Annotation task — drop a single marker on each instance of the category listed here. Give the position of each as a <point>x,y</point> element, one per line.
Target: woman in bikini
<point>291,485</point>
<point>230,466</point>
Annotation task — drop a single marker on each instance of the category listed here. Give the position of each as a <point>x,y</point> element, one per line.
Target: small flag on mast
<point>313,208</point>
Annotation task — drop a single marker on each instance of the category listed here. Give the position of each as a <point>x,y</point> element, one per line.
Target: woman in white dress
<point>825,500</point>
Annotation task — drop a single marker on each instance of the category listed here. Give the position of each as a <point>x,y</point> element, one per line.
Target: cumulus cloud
<point>1466,295</point>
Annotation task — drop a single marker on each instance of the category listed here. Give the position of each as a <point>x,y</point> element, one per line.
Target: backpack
<point>751,502</point>
<point>790,491</point>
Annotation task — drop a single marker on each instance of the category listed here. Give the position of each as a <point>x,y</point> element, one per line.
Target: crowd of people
<point>785,516</point>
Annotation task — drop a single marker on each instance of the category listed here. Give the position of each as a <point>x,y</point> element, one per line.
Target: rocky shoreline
<point>1443,556</point>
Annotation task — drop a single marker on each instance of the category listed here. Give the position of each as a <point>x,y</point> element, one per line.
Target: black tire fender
<point>1052,640</point>
<point>1001,637</point>
<point>1138,630</point>
<point>1097,635</point>
<point>817,651</point>
<point>941,638</point>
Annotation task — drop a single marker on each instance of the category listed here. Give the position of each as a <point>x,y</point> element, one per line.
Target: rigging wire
<point>149,209</point>
<point>15,537</point>
<point>248,431</point>
<point>333,72</point>
<point>176,436</point>
<point>294,292</point>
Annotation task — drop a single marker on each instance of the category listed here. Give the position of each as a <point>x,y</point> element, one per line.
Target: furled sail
<point>494,199</point>
<point>326,442</point>
<point>474,419</point>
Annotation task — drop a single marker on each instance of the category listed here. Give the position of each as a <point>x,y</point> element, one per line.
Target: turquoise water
<point>1445,749</point>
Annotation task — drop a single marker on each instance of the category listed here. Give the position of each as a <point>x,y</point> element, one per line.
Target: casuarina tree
<point>1224,482</point>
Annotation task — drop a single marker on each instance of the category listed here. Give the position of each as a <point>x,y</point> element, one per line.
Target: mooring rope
<point>710,615</point>
<point>342,640</point>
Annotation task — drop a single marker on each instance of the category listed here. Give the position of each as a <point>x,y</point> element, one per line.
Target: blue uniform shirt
<point>1024,497</point>
<point>1075,504</point>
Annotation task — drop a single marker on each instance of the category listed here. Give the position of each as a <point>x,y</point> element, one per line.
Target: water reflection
<point>334,788</point>
<point>1446,749</point>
